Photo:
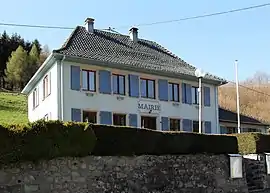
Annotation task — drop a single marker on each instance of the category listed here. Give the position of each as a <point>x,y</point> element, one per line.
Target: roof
<point>117,48</point>
<point>230,116</point>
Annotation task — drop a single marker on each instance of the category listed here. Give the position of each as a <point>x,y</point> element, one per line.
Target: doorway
<point>149,122</point>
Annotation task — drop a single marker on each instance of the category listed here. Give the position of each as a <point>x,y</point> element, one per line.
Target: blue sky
<point>211,43</point>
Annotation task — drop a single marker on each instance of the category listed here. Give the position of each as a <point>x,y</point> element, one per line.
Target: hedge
<point>252,143</point>
<point>44,140</point>
<point>132,141</point>
<point>47,140</point>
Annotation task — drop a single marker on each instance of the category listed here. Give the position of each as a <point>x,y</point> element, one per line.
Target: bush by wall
<point>249,143</point>
<point>44,140</point>
<point>131,141</point>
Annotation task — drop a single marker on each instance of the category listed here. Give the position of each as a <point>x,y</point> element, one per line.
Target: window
<point>89,80</point>
<point>90,117</point>
<point>35,98</point>
<point>149,122</point>
<point>119,84</point>
<point>119,119</point>
<point>231,130</point>
<point>46,87</point>
<point>195,126</point>
<point>252,130</point>
<point>174,124</point>
<point>147,88</point>
<point>174,92</point>
<point>195,95</point>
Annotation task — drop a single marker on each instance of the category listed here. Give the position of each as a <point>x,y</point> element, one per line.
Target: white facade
<point>60,75</point>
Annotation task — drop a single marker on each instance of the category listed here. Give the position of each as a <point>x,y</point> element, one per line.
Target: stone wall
<point>142,174</point>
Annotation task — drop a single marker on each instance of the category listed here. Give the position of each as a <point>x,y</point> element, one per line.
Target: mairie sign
<point>149,107</point>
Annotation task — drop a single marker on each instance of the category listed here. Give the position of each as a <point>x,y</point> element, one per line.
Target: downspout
<point>62,88</point>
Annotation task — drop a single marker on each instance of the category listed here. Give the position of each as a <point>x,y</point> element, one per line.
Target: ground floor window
<point>149,122</point>
<point>231,130</point>
<point>89,116</point>
<point>195,126</point>
<point>252,130</point>
<point>174,124</point>
<point>119,119</point>
<point>46,117</point>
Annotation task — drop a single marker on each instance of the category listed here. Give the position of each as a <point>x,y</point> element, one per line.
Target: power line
<point>200,16</point>
<point>254,90</point>
<point>35,26</point>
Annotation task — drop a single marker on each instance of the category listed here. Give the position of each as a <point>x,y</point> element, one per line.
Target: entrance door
<point>149,122</point>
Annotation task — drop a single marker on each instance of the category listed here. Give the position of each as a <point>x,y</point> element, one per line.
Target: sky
<point>211,43</point>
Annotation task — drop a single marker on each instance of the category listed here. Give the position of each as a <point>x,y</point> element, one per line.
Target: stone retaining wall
<point>144,174</point>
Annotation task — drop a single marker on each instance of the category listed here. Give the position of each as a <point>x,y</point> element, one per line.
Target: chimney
<point>133,34</point>
<point>89,25</point>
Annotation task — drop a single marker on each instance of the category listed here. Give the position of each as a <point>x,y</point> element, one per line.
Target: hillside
<point>252,103</point>
<point>13,108</point>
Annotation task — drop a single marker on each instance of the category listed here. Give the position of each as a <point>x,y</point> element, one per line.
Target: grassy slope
<point>13,108</point>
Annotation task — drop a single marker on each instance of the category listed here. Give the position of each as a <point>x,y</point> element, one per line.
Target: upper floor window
<point>174,92</point>
<point>195,95</point>
<point>147,88</point>
<point>89,80</point>
<point>35,98</point>
<point>46,87</point>
<point>118,84</point>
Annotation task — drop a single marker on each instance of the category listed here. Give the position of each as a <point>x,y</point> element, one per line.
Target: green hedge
<point>47,140</point>
<point>249,143</point>
<point>44,140</point>
<point>132,141</point>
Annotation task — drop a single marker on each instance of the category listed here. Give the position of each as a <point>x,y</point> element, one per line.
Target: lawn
<point>13,108</point>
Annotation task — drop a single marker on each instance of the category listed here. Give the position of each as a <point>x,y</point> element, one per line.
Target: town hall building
<point>110,78</point>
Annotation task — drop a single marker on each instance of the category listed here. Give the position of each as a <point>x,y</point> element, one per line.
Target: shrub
<point>44,140</point>
<point>132,141</point>
<point>249,143</point>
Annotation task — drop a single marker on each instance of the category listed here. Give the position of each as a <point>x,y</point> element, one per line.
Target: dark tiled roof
<point>117,48</point>
<point>230,116</point>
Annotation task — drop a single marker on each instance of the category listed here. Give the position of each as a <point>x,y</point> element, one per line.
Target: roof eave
<point>128,67</point>
<point>39,74</point>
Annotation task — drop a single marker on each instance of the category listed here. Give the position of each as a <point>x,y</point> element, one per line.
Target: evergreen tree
<point>33,60</point>
<point>17,67</point>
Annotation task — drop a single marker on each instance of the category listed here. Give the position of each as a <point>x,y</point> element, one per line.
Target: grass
<point>13,108</point>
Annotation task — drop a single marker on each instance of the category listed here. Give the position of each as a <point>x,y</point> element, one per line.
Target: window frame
<point>194,121</point>
<point>46,86</point>
<point>118,85</point>
<point>119,114</point>
<point>90,112</point>
<point>173,93</point>
<point>195,94</point>
<point>46,117</point>
<point>88,81</point>
<point>179,122</point>
<point>147,91</point>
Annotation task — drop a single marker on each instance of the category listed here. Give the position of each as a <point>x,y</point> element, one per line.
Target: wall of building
<point>129,105</point>
<point>178,173</point>
<point>244,127</point>
<point>49,105</point>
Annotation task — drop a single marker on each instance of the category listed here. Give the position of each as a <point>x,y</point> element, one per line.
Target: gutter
<point>62,88</point>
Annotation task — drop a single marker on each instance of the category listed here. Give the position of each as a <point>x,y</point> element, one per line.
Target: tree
<point>33,61</point>
<point>16,67</point>
<point>45,52</point>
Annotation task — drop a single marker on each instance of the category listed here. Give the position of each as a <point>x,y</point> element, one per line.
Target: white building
<point>110,78</point>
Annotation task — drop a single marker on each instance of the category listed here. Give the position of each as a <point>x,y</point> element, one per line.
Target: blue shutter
<point>133,120</point>
<point>187,125</point>
<point>76,115</point>
<point>183,93</point>
<point>105,82</point>
<point>75,77</point>
<point>165,123</point>
<point>188,94</point>
<point>105,118</point>
<point>163,90</point>
<point>207,127</point>
<point>206,91</point>
<point>133,85</point>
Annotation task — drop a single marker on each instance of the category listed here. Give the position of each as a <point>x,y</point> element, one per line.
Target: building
<point>228,123</point>
<point>109,78</point>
